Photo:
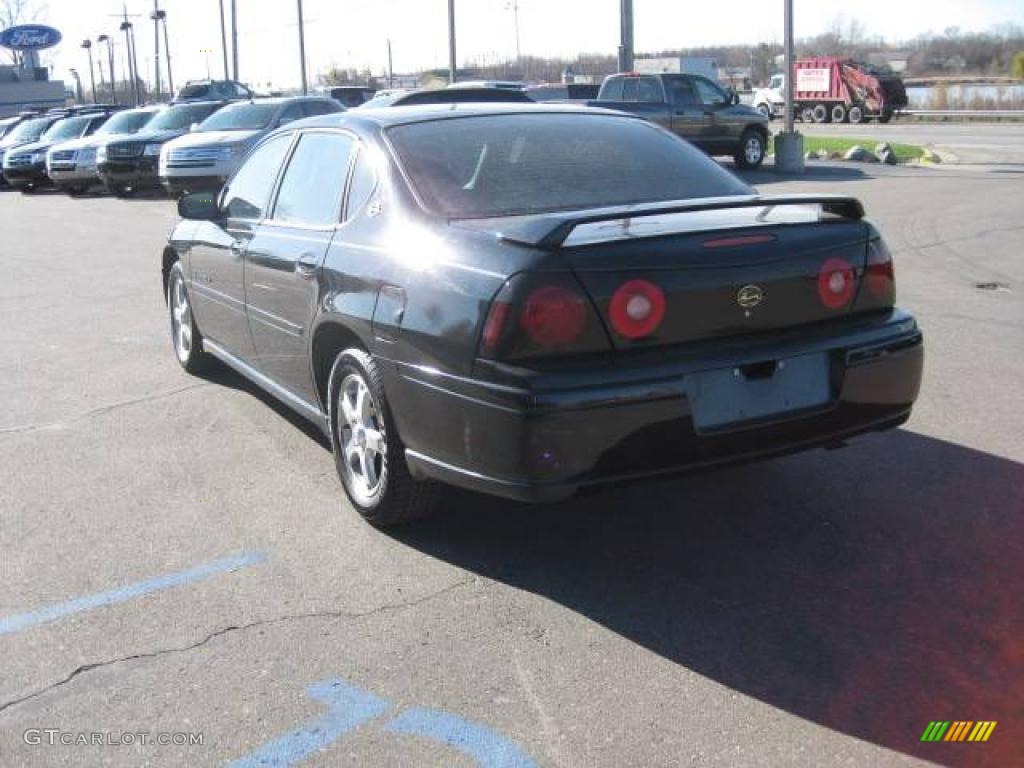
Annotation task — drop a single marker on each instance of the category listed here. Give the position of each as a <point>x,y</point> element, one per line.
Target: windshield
<point>506,165</point>
<point>177,118</point>
<point>30,130</point>
<point>198,91</point>
<point>68,128</point>
<point>241,117</point>
<point>126,122</point>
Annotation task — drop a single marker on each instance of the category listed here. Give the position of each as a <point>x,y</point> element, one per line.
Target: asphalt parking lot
<point>178,556</point>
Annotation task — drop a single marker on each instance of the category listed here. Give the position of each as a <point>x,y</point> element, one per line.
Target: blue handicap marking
<point>347,708</point>
<point>488,747</point>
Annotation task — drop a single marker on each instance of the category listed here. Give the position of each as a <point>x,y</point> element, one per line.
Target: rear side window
<point>504,165</point>
<point>249,191</point>
<point>314,108</point>
<point>364,180</point>
<point>314,181</point>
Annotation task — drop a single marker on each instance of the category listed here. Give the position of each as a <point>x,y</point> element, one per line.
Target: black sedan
<point>532,300</point>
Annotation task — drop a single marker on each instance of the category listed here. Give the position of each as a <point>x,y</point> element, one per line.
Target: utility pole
<point>391,69</point>
<point>452,74</point>
<point>155,16</point>
<point>87,44</point>
<point>223,43</point>
<point>302,51</point>
<point>625,35</point>
<point>133,64</point>
<point>110,58</point>
<point>789,145</point>
<point>234,39</point>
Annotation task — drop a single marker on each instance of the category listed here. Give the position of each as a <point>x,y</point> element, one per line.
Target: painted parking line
<point>350,707</point>
<point>21,621</point>
<point>487,746</point>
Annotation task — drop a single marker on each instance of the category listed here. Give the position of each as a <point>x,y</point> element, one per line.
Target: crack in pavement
<point>386,608</point>
<point>103,409</point>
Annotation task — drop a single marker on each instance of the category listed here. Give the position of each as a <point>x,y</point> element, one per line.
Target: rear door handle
<point>307,265</point>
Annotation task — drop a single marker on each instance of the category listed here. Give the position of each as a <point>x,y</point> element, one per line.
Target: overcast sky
<point>353,33</point>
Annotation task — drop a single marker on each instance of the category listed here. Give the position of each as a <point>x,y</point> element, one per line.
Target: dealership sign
<point>29,37</point>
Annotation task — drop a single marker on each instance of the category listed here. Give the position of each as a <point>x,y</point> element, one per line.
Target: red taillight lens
<point>494,327</point>
<point>836,283</point>
<point>637,309</point>
<point>880,278</point>
<point>553,315</point>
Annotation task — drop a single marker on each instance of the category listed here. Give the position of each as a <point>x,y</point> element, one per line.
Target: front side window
<point>710,94</point>
<point>249,191</point>
<point>315,180</point>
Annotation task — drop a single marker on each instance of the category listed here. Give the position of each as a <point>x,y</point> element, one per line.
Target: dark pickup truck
<point>693,107</point>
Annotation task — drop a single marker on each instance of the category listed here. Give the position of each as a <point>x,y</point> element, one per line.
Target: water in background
<point>966,96</point>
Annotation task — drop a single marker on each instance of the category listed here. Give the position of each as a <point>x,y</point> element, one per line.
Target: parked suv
<point>693,107</point>
<point>71,166</point>
<point>125,165</point>
<point>212,90</point>
<point>25,167</point>
<point>24,133</point>
<point>206,157</point>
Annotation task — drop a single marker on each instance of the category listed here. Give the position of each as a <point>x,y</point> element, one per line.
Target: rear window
<point>506,165</point>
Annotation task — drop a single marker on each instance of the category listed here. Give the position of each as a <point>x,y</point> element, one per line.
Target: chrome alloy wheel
<point>181,320</point>
<point>753,150</point>
<point>361,434</point>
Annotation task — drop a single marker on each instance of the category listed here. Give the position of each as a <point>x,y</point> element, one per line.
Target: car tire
<point>839,113</point>
<point>368,452</point>
<point>856,114</point>
<point>752,149</point>
<point>185,335</point>
<point>820,113</point>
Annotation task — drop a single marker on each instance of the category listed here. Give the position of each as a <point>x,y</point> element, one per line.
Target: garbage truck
<point>833,90</point>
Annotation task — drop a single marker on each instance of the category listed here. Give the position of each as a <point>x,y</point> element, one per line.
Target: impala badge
<point>750,296</point>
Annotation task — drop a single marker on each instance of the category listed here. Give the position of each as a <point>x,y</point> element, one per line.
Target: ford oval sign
<point>29,37</point>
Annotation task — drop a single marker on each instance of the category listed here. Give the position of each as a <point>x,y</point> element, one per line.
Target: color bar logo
<point>958,730</point>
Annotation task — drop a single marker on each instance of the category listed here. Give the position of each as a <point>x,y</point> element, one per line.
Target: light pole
<point>789,145</point>
<point>133,69</point>
<point>234,39</point>
<point>110,61</point>
<point>78,85</point>
<point>302,50</point>
<point>162,16</point>
<point>87,44</point>
<point>452,74</point>
<point>223,43</point>
<point>625,35</point>
<point>156,47</point>
<point>391,69</point>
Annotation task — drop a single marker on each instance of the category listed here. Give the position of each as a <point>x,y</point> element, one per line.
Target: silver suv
<point>205,158</point>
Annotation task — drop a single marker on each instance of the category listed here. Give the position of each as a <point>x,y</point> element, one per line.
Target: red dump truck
<point>829,89</point>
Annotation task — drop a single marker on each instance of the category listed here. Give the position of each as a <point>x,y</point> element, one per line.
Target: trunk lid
<point>723,273</point>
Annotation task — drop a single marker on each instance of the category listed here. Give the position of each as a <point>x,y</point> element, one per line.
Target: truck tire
<point>807,114</point>
<point>885,117</point>
<point>856,114</point>
<point>839,113</point>
<point>751,151</point>
<point>820,113</point>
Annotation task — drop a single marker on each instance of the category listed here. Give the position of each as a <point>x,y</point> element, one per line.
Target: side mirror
<point>199,206</point>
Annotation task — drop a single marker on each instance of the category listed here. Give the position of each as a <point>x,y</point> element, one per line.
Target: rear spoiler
<point>550,230</point>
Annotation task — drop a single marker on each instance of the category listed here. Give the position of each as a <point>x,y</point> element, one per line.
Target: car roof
<point>386,117</point>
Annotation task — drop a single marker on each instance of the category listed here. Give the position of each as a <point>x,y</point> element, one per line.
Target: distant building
<point>28,88</point>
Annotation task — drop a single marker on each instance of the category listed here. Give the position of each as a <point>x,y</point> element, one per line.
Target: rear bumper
<point>545,445</point>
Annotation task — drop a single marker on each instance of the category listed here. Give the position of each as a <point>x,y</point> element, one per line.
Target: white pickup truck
<point>770,101</point>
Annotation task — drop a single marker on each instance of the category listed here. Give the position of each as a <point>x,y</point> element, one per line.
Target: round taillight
<point>836,283</point>
<point>553,315</point>
<point>637,309</point>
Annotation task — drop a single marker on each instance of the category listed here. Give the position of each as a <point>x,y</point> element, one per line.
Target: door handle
<point>307,265</point>
<point>238,248</point>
